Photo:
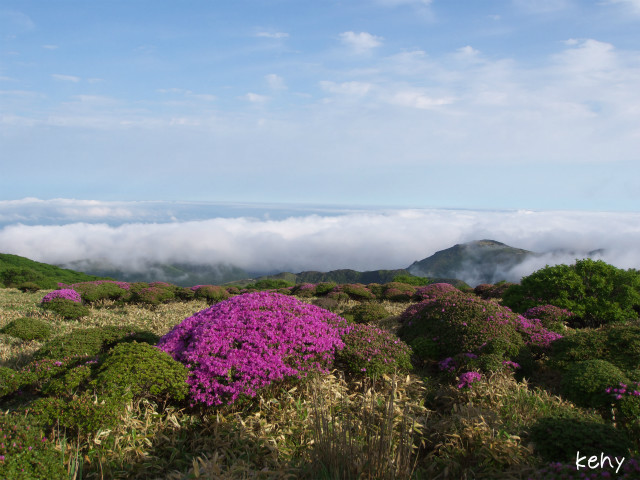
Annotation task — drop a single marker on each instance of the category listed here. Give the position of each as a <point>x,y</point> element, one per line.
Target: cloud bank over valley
<point>133,235</point>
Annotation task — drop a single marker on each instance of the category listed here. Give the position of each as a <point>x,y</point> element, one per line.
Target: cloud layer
<point>361,240</point>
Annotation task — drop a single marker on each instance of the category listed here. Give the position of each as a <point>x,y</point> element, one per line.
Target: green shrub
<point>412,280</point>
<point>373,352</point>
<point>92,292</point>
<point>16,276</point>
<point>67,309</point>
<point>27,329</point>
<point>92,342</point>
<point>487,291</point>
<point>355,291</point>
<point>323,288</point>
<point>184,293</point>
<point>338,296</point>
<point>69,383</point>
<point>557,439</point>
<point>459,323</point>
<point>25,453</point>
<point>212,293</point>
<point>398,292</point>
<point>366,313</point>
<point>84,414</point>
<point>269,284</point>
<point>326,303</point>
<point>304,290</point>
<point>596,292</point>
<point>135,370</point>
<point>618,344</point>
<point>153,295</point>
<point>10,381</point>
<point>585,383</point>
<point>29,287</point>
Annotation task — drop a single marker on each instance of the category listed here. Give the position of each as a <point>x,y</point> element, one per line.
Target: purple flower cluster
<point>467,378</point>
<point>534,333</point>
<point>433,291</point>
<point>246,342</point>
<point>64,294</point>
<point>123,285</point>
<point>624,389</point>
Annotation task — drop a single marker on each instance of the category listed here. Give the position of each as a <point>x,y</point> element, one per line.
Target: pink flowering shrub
<point>373,352</point>
<point>467,378</point>
<point>242,344</point>
<point>433,291</point>
<point>535,334</point>
<point>398,292</point>
<point>552,317</point>
<point>488,290</point>
<point>95,291</point>
<point>65,294</point>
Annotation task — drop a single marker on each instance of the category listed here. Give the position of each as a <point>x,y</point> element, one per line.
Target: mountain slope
<point>15,270</point>
<point>480,261</point>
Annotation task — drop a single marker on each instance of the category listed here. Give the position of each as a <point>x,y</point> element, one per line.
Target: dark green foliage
<point>425,348</point>
<point>323,288</point>
<point>84,414</point>
<point>92,342</point>
<point>67,309</point>
<point>135,370</point>
<point>10,381</point>
<point>618,344</point>
<point>184,293</point>
<point>268,284</point>
<point>460,323</point>
<point>412,280</point>
<point>16,270</point>
<point>366,313</point>
<point>304,290</point>
<point>28,287</point>
<point>27,329</point>
<point>373,352</point>
<point>69,382</point>
<point>338,296</point>
<point>212,293</point>
<point>95,292</point>
<point>488,290</point>
<point>557,439</point>
<point>584,383</point>
<point>356,291</point>
<point>398,292</point>
<point>596,292</point>
<point>153,295</point>
<point>27,454</point>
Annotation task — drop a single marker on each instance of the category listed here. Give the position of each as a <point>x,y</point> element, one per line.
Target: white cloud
<point>542,6</point>
<point>362,240</point>
<point>418,99</point>
<point>275,35</point>
<point>352,89</point>
<point>50,47</point>
<point>634,5</point>
<point>256,98</point>
<point>276,82</point>
<point>362,42</point>
<point>65,78</point>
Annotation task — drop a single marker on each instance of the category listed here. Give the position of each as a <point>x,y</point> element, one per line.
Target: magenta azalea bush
<point>467,378</point>
<point>433,291</point>
<point>552,317</point>
<point>242,344</point>
<point>64,294</point>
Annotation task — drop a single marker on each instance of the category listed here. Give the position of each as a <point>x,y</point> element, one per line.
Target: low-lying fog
<point>130,235</point>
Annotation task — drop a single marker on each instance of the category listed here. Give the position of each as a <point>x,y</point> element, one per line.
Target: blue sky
<point>487,104</point>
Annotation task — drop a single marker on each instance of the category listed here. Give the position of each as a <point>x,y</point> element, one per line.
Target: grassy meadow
<point>337,425</point>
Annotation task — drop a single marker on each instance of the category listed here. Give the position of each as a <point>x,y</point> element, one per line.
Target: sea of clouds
<point>273,238</point>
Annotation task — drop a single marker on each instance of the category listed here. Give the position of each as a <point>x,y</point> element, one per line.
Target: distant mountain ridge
<point>484,261</point>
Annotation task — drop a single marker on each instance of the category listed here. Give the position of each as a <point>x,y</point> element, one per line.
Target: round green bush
<point>136,370</point>
<point>326,303</point>
<point>10,381</point>
<point>367,313</point>
<point>67,309</point>
<point>398,292</point>
<point>323,288</point>
<point>618,344</point>
<point>92,292</point>
<point>84,414</point>
<point>153,295</point>
<point>69,383</point>
<point>25,452</point>
<point>459,323</point>
<point>558,439</point>
<point>373,352</point>
<point>27,329</point>
<point>29,287</point>
<point>355,291</point>
<point>92,341</point>
<point>212,293</point>
<point>585,383</point>
<point>338,296</point>
<point>596,292</point>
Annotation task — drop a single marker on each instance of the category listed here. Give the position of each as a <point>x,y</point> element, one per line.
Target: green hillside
<point>16,270</point>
